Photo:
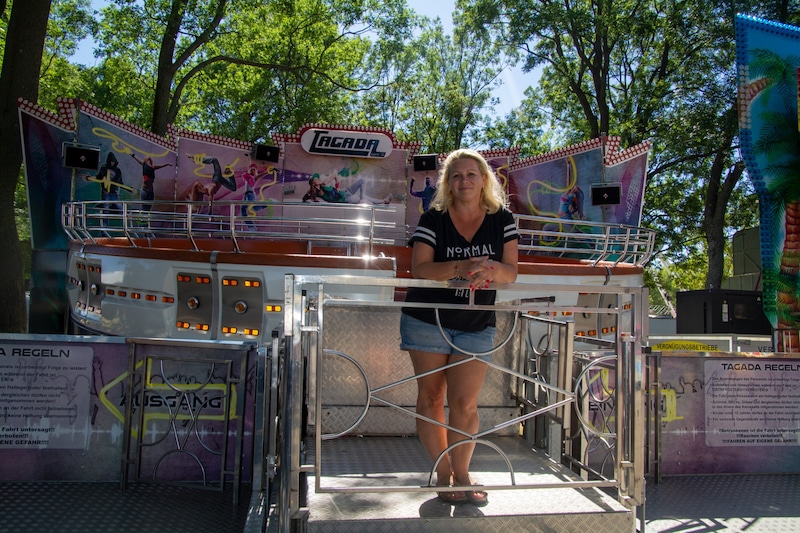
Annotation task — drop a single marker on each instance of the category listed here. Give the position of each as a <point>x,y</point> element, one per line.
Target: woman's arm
<point>477,270</point>
<point>424,267</point>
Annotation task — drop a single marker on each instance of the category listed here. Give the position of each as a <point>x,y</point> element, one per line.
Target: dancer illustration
<point>426,194</point>
<point>147,193</point>
<point>219,177</point>
<point>571,204</point>
<point>332,193</point>
<point>250,177</point>
<point>110,179</point>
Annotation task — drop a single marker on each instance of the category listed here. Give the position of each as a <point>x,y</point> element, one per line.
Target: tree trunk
<point>22,61</point>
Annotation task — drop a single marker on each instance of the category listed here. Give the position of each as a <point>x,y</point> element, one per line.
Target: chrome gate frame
<point>300,359</point>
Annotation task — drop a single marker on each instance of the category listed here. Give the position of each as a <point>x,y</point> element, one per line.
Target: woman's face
<point>466,179</point>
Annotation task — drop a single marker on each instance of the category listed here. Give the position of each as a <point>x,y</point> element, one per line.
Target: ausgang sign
<point>346,143</point>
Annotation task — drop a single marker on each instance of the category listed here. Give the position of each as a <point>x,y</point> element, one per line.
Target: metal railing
<point>593,241</point>
<point>357,225</point>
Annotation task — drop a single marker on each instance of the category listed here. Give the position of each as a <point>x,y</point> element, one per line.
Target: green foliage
<point>239,69</point>
<point>437,89</point>
<point>662,72</point>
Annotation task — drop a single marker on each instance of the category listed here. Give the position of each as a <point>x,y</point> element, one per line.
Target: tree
<point>663,72</point>
<point>438,90</point>
<point>22,60</point>
<point>205,64</point>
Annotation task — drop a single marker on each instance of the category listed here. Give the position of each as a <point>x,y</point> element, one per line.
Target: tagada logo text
<point>346,143</point>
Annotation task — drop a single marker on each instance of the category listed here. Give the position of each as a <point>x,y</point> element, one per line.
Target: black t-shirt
<point>436,229</point>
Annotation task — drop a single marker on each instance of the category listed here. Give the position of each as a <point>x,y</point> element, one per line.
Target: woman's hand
<point>480,271</point>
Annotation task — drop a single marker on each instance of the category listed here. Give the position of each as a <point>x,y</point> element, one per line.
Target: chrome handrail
<point>351,224</point>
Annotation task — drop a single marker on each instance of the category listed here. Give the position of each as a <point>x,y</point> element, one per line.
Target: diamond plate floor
<point>372,485</point>
<point>752,503</point>
<point>56,507</point>
<point>746,503</point>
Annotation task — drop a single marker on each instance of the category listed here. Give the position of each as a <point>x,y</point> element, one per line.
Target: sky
<point>510,92</point>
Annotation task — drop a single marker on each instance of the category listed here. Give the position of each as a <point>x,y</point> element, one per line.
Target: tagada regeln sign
<point>346,143</point>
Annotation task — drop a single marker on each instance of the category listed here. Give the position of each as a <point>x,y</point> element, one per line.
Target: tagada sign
<point>346,143</point>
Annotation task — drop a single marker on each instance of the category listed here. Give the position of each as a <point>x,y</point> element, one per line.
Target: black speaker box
<point>262,152</point>
<point>424,162</point>
<point>81,157</point>
<point>606,194</point>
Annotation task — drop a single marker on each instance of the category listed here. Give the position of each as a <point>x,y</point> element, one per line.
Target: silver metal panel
<point>371,337</point>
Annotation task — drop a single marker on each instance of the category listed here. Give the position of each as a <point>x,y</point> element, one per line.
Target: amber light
<point>273,308</point>
<point>184,278</point>
<point>168,299</point>
<point>183,325</point>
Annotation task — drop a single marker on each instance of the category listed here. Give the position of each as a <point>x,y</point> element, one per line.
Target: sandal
<point>454,497</point>
<point>478,498</point>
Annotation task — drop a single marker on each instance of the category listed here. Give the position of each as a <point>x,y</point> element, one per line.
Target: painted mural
<point>768,62</point>
<point>135,174</point>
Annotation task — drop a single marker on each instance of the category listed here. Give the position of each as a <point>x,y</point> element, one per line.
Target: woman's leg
<point>464,384</point>
<point>430,404</point>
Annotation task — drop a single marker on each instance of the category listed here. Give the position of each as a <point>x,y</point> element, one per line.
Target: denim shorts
<point>418,335</point>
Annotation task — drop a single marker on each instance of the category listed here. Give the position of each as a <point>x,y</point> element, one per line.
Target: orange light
<point>273,308</point>
<point>593,333</point>
<point>150,297</point>
<point>168,299</point>
<point>122,294</point>
<point>201,327</point>
<point>580,333</point>
<point>110,292</point>
<point>136,296</point>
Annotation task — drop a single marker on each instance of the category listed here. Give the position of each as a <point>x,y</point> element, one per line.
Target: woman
<point>467,234</point>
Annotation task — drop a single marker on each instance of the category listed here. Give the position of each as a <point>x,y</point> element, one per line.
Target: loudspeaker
<point>424,162</point>
<point>606,194</point>
<point>262,152</point>
<point>81,157</point>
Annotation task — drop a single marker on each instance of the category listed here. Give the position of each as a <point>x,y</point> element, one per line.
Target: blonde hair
<point>493,197</point>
